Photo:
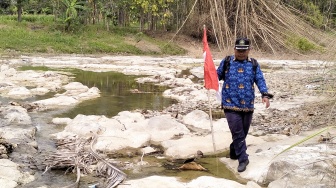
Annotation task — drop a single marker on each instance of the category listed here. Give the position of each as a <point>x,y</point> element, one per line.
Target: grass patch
<point>303,44</point>
<point>166,48</point>
<point>171,49</point>
<point>42,34</point>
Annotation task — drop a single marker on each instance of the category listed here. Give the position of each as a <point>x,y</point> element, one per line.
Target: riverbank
<point>300,106</point>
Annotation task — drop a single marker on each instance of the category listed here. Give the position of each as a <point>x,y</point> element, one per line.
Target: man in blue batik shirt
<point>240,73</point>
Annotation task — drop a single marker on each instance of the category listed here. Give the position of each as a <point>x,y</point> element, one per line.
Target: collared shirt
<point>238,87</point>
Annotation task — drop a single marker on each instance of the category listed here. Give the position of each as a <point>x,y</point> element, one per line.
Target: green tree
<point>154,12</point>
<point>108,10</point>
<point>4,4</point>
<point>321,13</point>
<point>71,11</point>
<point>19,5</point>
<point>93,8</point>
<point>38,6</point>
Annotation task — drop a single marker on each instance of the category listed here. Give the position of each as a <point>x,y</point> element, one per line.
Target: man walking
<point>239,73</point>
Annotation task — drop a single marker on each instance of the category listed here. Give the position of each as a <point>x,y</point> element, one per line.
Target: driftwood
<point>78,155</point>
<point>192,166</point>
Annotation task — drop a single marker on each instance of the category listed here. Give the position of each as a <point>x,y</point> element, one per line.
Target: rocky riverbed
<point>304,103</point>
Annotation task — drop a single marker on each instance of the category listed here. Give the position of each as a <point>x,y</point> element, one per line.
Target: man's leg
<point>233,152</point>
<point>235,121</point>
<point>247,119</point>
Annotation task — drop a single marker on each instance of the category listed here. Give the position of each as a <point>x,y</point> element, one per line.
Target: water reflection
<point>119,92</point>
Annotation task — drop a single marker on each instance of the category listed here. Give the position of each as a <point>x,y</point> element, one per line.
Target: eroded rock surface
<point>301,105</point>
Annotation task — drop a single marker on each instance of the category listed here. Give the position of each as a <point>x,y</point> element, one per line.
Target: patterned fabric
<point>238,87</point>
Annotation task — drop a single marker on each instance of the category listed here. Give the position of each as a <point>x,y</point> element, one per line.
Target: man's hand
<point>266,100</point>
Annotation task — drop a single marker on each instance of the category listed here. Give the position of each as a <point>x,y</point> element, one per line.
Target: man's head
<point>242,48</point>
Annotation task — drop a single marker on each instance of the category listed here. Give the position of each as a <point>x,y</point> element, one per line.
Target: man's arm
<point>261,84</point>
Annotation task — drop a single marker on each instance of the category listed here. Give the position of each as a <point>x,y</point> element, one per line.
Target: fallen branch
<point>73,154</point>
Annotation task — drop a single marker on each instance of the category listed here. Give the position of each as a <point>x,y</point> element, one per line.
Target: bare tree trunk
<point>94,13</point>
<point>107,20</point>
<point>19,10</point>
<point>142,21</point>
<point>121,17</point>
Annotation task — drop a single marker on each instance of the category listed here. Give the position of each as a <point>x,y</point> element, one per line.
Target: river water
<point>119,92</point>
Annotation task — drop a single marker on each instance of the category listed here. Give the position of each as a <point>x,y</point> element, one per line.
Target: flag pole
<point>212,131</point>
<point>211,82</point>
<point>211,124</point>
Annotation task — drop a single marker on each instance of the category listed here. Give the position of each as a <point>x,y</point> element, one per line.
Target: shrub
<point>305,45</point>
<point>301,44</point>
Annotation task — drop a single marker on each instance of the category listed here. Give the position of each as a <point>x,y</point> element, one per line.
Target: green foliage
<point>313,11</point>
<point>302,44</point>
<point>40,34</point>
<point>171,49</point>
<point>40,19</point>
<point>161,13</point>
<point>159,9</point>
<point>4,6</point>
<point>71,11</point>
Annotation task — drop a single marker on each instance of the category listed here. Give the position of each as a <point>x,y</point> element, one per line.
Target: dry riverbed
<point>304,103</point>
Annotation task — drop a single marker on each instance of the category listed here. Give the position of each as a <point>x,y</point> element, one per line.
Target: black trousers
<point>239,124</point>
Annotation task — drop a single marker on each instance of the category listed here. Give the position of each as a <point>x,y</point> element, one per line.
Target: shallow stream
<point>116,95</point>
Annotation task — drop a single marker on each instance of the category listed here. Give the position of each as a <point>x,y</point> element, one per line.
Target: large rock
<point>113,133</point>
<point>19,93</point>
<point>301,166</point>
<point>59,101</point>
<point>15,133</point>
<point>11,176</point>
<point>167,126</point>
<point>188,145</point>
<point>15,115</point>
<point>173,182</point>
<point>120,140</point>
<point>74,94</point>
<point>200,119</point>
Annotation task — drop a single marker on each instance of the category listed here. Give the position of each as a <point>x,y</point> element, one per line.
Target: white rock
<point>10,176</point>
<point>147,150</point>
<point>188,145</point>
<point>58,101</point>
<point>197,118</point>
<point>153,181</point>
<point>19,92</point>
<point>39,91</point>
<point>211,182</point>
<point>61,121</point>
<point>76,86</point>
<point>16,114</point>
<point>121,140</point>
<point>166,126</point>
<point>9,133</point>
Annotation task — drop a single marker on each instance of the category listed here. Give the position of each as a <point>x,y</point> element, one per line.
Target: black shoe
<point>242,166</point>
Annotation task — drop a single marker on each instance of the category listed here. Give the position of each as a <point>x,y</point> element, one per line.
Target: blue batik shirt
<point>238,87</point>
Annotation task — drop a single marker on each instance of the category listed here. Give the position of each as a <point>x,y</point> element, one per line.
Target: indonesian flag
<point>210,73</point>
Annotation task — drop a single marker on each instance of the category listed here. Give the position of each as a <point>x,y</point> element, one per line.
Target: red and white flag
<point>210,73</point>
